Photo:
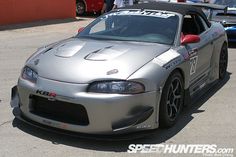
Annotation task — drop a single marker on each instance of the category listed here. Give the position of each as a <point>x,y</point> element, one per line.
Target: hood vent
<point>105,54</point>
<point>69,49</point>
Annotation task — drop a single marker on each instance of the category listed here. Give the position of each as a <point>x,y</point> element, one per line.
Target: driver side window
<point>192,24</point>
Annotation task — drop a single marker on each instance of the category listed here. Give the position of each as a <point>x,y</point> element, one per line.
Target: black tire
<point>223,62</point>
<point>80,8</point>
<point>171,100</point>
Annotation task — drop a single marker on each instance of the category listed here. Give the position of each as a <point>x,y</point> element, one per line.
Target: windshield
<point>134,25</point>
<point>230,3</point>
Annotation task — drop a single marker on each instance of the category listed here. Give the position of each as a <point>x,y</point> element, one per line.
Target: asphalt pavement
<point>211,120</point>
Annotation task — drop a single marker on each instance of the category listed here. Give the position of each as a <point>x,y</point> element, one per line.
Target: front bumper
<point>107,113</point>
<point>113,137</point>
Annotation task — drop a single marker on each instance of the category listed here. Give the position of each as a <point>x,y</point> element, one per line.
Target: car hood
<point>84,60</point>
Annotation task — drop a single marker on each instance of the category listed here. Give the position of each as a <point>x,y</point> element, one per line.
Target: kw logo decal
<point>51,95</point>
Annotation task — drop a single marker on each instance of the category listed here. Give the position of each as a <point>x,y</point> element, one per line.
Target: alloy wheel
<point>80,8</point>
<point>223,62</point>
<point>174,98</point>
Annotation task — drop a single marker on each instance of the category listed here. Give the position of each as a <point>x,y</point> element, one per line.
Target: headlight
<point>118,87</point>
<point>29,74</point>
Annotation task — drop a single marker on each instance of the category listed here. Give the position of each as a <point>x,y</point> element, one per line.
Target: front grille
<point>58,110</point>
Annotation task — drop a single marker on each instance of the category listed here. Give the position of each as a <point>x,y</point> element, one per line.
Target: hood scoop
<point>105,54</point>
<point>69,49</point>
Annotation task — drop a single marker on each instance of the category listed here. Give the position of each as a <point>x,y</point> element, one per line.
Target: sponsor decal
<point>173,63</point>
<point>199,149</point>
<point>186,56</point>
<point>143,126</point>
<point>168,59</point>
<point>55,124</point>
<point>50,123</point>
<point>51,95</point>
<point>160,14</point>
<point>45,93</point>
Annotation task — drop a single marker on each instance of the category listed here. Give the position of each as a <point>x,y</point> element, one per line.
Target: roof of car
<point>167,6</point>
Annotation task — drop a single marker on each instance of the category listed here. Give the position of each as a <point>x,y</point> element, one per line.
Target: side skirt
<point>200,94</point>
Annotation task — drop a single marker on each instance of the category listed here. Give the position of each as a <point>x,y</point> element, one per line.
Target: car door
<point>200,53</point>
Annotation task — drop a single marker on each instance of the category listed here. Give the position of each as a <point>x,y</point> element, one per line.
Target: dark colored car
<point>226,17</point>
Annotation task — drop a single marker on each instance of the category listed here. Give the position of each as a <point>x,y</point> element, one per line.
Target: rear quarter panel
<point>219,39</point>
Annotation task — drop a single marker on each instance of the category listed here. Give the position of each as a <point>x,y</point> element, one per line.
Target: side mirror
<point>188,39</point>
<point>80,29</point>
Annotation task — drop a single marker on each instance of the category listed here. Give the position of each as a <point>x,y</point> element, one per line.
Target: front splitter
<point>114,137</point>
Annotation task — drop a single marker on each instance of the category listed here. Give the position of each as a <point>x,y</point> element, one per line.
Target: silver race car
<point>131,69</point>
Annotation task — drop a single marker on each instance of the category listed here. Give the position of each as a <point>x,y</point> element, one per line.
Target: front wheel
<point>171,100</point>
<point>223,63</point>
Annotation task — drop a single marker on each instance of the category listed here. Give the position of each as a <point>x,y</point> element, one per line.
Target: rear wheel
<point>223,63</point>
<point>80,7</point>
<point>171,100</point>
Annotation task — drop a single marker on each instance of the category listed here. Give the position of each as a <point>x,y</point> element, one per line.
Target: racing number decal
<point>193,64</point>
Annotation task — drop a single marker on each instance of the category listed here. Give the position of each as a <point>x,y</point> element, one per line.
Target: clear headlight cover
<point>117,87</point>
<point>29,74</point>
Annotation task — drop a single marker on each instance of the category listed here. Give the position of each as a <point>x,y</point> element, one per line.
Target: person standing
<point>122,3</point>
<point>107,6</point>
